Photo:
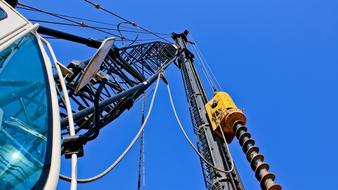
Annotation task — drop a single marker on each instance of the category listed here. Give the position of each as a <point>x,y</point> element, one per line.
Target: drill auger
<point>225,116</point>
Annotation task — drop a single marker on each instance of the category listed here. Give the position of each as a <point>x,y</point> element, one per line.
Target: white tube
<point>191,143</point>
<point>73,185</point>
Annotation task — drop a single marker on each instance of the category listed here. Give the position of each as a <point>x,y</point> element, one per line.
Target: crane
<point>67,106</point>
<point>205,115</point>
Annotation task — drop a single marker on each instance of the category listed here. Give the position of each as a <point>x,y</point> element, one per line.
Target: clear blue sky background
<point>278,59</point>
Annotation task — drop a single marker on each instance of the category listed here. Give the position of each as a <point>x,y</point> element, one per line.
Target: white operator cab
<point>29,111</point>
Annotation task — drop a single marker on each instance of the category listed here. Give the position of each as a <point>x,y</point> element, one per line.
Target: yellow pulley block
<point>223,112</point>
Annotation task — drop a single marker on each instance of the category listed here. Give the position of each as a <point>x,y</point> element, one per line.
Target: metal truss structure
<point>124,68</point>
<point>123,76</point>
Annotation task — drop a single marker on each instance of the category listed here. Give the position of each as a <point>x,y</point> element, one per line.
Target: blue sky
<point>278,59</point>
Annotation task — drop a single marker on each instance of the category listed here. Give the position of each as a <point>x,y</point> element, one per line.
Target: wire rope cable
<point>120,32</point>
<point>132,143</point>
<point>191,143</point>
<point>106,30</point>
<point>97,6</point>
<point>204,70</point>
<point>121,28</point>
<point>141,152</point>
<point>205,63</point>
<point>82,24</point>
<point>209,67</point>
<point>80,18</point>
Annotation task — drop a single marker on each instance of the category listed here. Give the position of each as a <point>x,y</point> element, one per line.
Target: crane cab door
<point>29,112</point>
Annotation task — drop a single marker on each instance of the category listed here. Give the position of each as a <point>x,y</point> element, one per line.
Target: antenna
<point>95,63</point>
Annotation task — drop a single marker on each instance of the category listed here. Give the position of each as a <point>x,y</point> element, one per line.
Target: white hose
<point>191,143</point>
<point>73,185</point>
<point>118,160</point>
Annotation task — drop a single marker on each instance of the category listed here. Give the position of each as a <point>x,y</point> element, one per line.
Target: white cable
<point>118,160</point>
<point>191,143</point>
<point>73,185</point>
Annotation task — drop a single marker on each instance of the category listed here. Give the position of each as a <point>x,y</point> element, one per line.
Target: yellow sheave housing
<point>223,112</point>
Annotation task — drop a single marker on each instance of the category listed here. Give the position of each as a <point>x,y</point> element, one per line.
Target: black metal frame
<point>129,68</point>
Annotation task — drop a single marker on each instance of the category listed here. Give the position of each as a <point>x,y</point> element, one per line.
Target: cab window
<point>3,14</point>
<point>25,116</point>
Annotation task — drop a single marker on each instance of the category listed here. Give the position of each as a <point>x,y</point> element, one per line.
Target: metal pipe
<point>256,160</point>
<point>87,111</point>
<point>71,37</point>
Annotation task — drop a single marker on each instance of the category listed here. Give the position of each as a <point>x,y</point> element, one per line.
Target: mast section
<point>209,145</point>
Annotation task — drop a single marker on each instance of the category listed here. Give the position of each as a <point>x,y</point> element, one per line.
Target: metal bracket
<point>72,145</point>
<point>101,75</point>
<point>65,71</point>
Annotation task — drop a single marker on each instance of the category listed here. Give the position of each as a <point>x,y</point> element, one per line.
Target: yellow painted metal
<point>223,112</point>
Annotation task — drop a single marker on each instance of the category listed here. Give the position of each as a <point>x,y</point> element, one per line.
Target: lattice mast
<point>210,146</point>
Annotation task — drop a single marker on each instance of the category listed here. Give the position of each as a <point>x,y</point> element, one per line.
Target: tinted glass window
<point>25,119</point>
<point>3,14</point>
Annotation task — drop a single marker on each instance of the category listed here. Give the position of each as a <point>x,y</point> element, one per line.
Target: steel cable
<point>82,24</point>
<point>120,32</point>
<point>99,27</point>
<point>204,70</point>
<point>97,6</point>
<point>141,153</point>
<point>205,63</point>
<point>80,18</point>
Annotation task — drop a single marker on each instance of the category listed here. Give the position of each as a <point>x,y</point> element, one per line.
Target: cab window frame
<point>3,14</point>
<point>41,182</point>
